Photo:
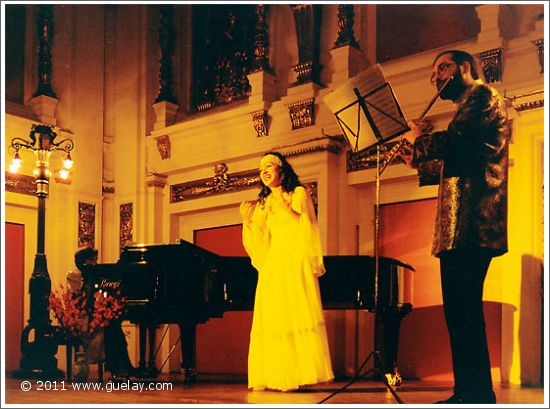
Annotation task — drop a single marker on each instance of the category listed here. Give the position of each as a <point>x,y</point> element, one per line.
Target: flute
<point>395,148</point>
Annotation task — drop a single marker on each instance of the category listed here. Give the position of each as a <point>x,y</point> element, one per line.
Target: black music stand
<point>369,93</point>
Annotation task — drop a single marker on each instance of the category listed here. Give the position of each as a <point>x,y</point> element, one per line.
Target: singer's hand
<point>247,209</point>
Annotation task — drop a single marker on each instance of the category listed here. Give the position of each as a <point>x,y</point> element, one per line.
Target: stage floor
<point>170,390</point>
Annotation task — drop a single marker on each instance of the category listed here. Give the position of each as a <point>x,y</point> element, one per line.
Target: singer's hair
<point>459,57</point>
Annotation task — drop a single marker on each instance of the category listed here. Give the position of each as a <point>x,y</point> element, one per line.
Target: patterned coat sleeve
<point>473,153</point>
<point>472,136</point>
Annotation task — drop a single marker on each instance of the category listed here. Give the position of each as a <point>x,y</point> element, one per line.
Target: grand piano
<point>186,285</point>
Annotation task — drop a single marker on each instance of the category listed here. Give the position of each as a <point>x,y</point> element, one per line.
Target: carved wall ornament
<point>302,113</point>
<point>45,32</point>
<point>304,72</point>
<point>259,121</point>
<point>166,43</point>
<point>163,146</point>
<point>221,182</point>
<point>346,35</point>
<point>366,158</point>
<point>307,20</point>
<point>18,183</point>
<point>86,224</point>
<point>261,40</point>
<point>540,49</point>
<point>126,224</point>
<point>491,63</point>
<point>223,53</point>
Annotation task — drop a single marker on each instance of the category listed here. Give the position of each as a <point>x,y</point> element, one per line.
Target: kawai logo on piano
<point>109,285</point>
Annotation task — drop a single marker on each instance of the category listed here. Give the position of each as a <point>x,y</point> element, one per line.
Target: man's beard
<point>454,88</point>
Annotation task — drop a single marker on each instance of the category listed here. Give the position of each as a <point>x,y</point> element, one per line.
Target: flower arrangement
<point>80,320</point>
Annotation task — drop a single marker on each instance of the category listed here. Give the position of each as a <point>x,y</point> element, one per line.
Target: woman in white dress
<point>288,340</point>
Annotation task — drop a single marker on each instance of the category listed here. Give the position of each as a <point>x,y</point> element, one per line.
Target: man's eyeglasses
<point>441,69</point>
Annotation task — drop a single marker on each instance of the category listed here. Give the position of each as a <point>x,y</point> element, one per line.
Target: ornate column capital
<point>156,180</point>
<point>491,64</point>
<point>108,188</point>
<point>260,122</point>
<point>302,113</point>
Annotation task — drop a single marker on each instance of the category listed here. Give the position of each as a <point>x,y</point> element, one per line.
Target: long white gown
<point>288,339</point>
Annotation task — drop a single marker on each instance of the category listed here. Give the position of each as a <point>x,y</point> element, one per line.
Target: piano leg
<point>147,369</point>
<point>390,323</point>
<point>152,370</point>
<point>188,332</point>
<point>142,369</point>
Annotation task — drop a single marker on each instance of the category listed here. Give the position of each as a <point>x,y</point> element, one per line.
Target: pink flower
<point>75,318</point>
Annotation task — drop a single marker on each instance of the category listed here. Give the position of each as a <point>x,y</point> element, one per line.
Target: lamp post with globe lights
<point>38,340</point>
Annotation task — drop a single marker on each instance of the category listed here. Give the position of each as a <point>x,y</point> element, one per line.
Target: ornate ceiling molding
<point>156,180</point>
<point>221,182</point>
<point>526,101</point>
<point>332,144</point>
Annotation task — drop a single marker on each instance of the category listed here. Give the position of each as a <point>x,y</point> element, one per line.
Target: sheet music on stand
<point>367,110</point>
<point>369,115</point>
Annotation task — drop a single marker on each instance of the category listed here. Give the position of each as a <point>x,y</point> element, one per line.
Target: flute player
<point>469,161</point>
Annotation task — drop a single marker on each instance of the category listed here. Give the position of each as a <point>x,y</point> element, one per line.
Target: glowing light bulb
<point>68,161</point>
<point>15,163</point>
<point>64,174</point>
<point>14,167</point>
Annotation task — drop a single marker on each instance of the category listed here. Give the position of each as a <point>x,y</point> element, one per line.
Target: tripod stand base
<point>394,379</point>
<point>376,369</point>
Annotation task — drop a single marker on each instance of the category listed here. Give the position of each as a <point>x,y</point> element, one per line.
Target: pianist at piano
<point>114,345</point>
